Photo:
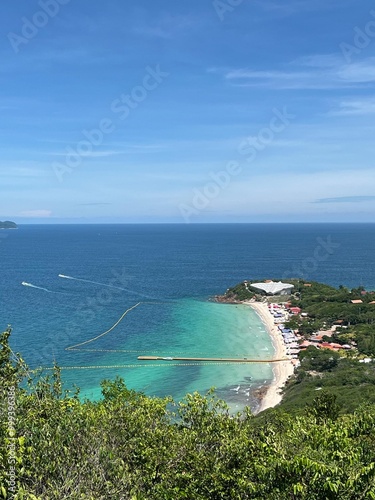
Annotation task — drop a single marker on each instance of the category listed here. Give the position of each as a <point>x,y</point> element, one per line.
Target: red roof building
<point>316,338</point>
<point>327,345</point>
<point>295,310</point>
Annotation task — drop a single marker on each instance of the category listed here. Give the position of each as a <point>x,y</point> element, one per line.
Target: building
<point>295,310</point>
<point>272,288</point>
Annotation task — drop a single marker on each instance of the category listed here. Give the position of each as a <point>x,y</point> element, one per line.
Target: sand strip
<point>283,370</point>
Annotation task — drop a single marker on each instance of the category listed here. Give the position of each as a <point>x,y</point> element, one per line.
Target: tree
<point>319,359</point>
<point>12,366</point>
<point>324,407</point>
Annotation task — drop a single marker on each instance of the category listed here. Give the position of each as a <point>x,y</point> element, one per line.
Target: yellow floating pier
<point>223,360</point>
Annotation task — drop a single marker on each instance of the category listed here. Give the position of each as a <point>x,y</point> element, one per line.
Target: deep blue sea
<point>171,271</point>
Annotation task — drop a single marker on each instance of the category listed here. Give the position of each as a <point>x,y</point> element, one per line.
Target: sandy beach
<point>281,370</point>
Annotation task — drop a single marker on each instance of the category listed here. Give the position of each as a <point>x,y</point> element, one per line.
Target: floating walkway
<point>221,360</point>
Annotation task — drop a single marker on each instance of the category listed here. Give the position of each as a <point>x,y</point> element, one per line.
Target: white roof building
<point>273,288</point>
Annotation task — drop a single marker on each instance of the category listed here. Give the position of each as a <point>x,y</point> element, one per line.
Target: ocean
<point>172,272</point>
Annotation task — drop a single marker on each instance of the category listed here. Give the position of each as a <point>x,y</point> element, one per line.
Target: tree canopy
<point>130,446</point>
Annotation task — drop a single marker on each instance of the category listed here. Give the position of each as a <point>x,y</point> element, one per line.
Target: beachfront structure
<point>272,288</point>
<point>295,310</point>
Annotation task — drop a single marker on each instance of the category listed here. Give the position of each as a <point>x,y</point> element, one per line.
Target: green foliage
<point>132,447</point>
<point>12,365</point>
<point>309,326</point>
<point>352,382</point>
<point>364,335</point>
<point>116,390</point>
<point>324,407</point>
<point>108,450</point>
<point>318,359</point>
<point>239,292</point>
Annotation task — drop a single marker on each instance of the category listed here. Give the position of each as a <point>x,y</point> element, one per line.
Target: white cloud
<point>268,192</point>
<point>321,71</point>
<point>361,72</point>
<point>355,107</point>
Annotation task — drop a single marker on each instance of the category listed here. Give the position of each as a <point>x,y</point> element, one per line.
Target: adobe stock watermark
<point>223,6</point>
<point>249,149</point>
<point>31,27</point>
<point>323,251</point>
<point>12,453</point>
<point>361,40</point>
<point>121,107</point>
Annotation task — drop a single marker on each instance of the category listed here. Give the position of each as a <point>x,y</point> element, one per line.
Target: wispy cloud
<point>346,199</point>
<point>324,71</point>
<point>355,107</point>
<point>92,154</point>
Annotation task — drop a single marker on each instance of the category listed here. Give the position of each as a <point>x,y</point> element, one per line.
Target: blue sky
<point>197,111</point>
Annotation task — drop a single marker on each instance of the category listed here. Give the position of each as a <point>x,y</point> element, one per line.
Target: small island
<point>8,225</point>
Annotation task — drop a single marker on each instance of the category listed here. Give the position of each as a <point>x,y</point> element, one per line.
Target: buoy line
<point>165,365</point>
<point>74,347</point>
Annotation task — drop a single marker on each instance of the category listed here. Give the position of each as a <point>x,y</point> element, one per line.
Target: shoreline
<point>281,371</point>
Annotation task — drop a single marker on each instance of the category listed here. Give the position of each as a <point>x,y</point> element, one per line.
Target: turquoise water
<point>173,270</point>
<point>194,329</point>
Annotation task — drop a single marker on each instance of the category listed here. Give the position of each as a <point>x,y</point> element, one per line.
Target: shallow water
<point>173,270</point>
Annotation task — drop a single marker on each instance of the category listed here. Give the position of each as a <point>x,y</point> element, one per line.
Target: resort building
<point>272,288</point>
<point>295,310</point>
